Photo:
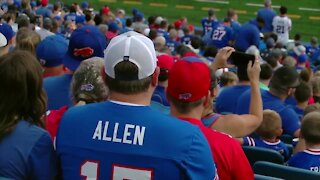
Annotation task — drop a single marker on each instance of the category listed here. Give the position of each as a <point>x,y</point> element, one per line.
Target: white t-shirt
<point>282,26</point>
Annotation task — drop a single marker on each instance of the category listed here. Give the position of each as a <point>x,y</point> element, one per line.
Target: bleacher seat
<point>286,138</point>
<point>255,154</point>
<point>283,172</point>
<point>262,177</point>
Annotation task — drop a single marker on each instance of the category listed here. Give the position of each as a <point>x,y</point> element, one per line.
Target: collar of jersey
<point>125,103</point>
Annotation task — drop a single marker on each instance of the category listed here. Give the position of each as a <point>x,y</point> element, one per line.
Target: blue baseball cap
<point>302,58</point>
<point>52,50</point>
<point>84,4</point>
<point>7,32</point>
<point>85,42</point>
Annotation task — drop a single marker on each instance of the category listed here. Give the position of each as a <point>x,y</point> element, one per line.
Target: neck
<point>163,83</point>
<point>312,146</point>
<point>302,105</point>
<point>271,140</point>
<point>208,109</point>
<point>4,50</point>
<point>194,113</point>
<point>244,83</point>
<point>283,97</point>
<point>316,94</point>
<point>53,71</point>
<point>265,82</point>
<point>143,98</point>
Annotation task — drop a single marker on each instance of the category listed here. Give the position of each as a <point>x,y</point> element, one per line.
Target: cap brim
<point>70,62</point>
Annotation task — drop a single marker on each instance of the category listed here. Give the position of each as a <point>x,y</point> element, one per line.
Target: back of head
<point>27,40</point>
<point>21,93</point>
<point>188,84</point>
<point>87,83</point>
<point>283,10</point>
<point>315,82</point>
<point>211,12</point>
<point>47,23</point>
<point>270,124</point>
<point>311,108</point>
<point>310,128</point>
<point>267,3</point>
<point>227,78</point>
<point>303,92</point>
<point>130,61</point>
<point>266,72</point>
<point>283,79</point>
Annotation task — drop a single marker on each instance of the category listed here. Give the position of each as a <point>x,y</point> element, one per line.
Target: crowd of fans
<point>109,95</point>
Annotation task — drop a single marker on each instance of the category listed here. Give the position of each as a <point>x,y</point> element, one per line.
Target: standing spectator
<point>187,103</point>
<point>45,31</point>
<point>282,25</point>
<point>282,85</point>
<point>26,149</point>
<point>267,14</point>
<point>249,34</point>
<point>163,29</point>
<point>235,25</point>
<point>208,23</point>
<point>139,25</point>
<point>50,53</point>
<point>172,42</point>
<point>7,38</point>
<point>265,76</point>
<point>84,43</point>
<point>313,47</point>
<point>302,94</point>
<point>44,11</point>
<point>186,38</point>
<point>222,35</point>
<point>27,40</point>
<point>114,139</point>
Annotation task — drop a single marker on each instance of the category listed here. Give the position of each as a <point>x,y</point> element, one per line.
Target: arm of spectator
<point>221,58</point>
<point>243,125</point>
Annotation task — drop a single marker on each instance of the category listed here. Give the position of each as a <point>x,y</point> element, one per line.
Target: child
<point>310,131</point>
<point>268,132</point>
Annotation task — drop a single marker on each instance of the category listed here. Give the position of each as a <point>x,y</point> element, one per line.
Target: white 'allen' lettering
<point>121,133</point>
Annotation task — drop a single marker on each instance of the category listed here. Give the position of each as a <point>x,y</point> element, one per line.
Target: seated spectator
<point>163,29</point>
<point>186,38</point>
<point>7,38</point>
<point>26,149</point>
<point>311,108</point>
<point>301,62</point>
<point>84,43</point>
<point>315,82</point>
<point>233,124</point>
<point>115,134</point>
<point>313,47</point>
<point>282,84</point>
<point>87,87</point>
<point>302,94</point>
<point>27,40</point>
<point>50,52</point>
<point>172,42</point>
<point>165,63</point>
<point>310,133</point>
<point>289,61</point>
<point>45,31</point>
<point>187,103</point>
<point>265,76</point>
<point>268,132</point>
<point>274,59</point>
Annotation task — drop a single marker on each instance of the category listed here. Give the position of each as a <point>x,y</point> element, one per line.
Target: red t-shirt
<point>228,155</point>
<point>53,120</point>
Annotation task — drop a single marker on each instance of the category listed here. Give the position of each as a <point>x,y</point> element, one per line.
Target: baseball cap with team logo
<point>133,47</point>
<point>6,34</point>
<point>85,42</point>
<point>188,81</point>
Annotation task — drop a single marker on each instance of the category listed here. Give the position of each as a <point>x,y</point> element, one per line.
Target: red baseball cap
<point>44,2</point>
<point>165,63</point>
<point>188,81</point>
<point>177,24</point>
<point>105,10</point>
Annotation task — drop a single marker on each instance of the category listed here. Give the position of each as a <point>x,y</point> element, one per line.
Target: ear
<point>155,76</point>
<point>212,92</point>
<point>207,99</point>
<point>279,131</point>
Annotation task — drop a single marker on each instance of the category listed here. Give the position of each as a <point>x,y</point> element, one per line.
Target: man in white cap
<point>124,138</point>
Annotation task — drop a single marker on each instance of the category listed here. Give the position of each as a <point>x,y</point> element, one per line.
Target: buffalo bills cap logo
<point>87,87</point>
<point>185,96</point>
<point>83,52</point>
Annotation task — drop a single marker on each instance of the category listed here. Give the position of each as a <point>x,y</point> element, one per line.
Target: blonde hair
<point>27,40</point>
<point>228,77</point>
<point>270,124</point>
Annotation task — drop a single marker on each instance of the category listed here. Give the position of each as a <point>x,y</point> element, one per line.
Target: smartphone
<point>241,59</point>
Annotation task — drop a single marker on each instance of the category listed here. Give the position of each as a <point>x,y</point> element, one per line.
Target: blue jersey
<point>58,91</point>
<point>114,140</point>
<point>70,17</point>
<point>267,15</point>
<point>186,39</point>
<point>228,98</point>
<point>27,153</point>
<point>221,36</point>
<point>159,95</point>
<point>171,44</point>
<point>209,120</point>
<point>164,33</point>
<point>308,159</point>
<point>208,24</point>
<point>278,146</point>
<point>44,12</point>
<point>290,119</point>
<point>299,111</point>
<point>248,35</point>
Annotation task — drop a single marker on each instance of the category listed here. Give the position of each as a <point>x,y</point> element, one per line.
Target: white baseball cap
<point>133,47</point>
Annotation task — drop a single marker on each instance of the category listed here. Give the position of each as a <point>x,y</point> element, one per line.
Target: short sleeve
<point>248,141</point>
<point>42,160</point>
<point>199,163</point>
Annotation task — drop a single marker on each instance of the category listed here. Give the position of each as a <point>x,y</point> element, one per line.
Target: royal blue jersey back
<point>116,141</point>
<point>267,15</point>
<point>308,159</point>
<point>277,146</point>
<point>221,35</point>
<point>248,35</point>
<point>208,24</point>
